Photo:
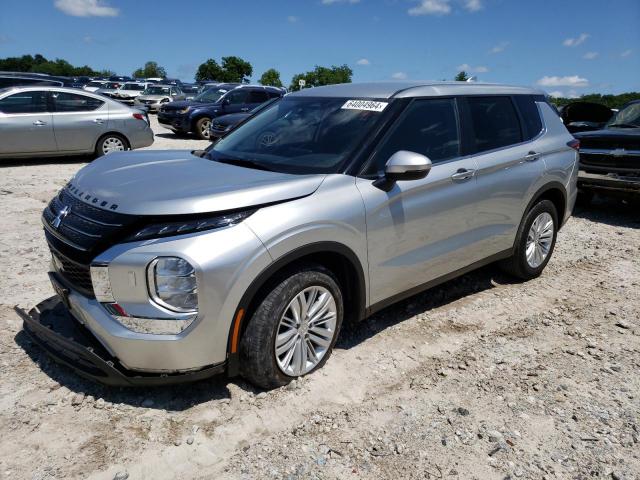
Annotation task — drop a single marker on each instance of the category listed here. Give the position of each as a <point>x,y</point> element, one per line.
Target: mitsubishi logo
<point>618,152</point>
<point>55,223</point>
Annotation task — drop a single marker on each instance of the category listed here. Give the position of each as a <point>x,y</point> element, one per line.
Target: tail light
<point>575,144</point>
<point>139,116</point>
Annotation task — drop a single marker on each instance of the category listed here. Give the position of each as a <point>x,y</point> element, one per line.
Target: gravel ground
<point>479,378</point>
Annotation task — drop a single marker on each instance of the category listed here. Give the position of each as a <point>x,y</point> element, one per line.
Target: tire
<point>271,322</point>
<point>111,142</point>
<point>202,128</point>
<point>520,265</point>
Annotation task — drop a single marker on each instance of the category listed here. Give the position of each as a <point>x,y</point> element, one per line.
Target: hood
<point>232,118</point>
<point>631,134</point>
<point>585,112</point>
<point>180,104</point>
<point>174,182</point>
<point>152,97</point>
<point>130,93</point>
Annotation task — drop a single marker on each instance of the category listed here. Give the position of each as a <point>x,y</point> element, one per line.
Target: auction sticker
<point>368,105</point>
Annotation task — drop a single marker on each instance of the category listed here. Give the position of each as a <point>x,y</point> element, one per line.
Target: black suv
<point>196,115</point>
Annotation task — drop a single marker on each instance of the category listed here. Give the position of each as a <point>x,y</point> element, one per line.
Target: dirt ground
<point>481,378</point>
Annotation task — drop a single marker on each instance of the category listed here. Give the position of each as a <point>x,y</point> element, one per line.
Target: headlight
<point>164,100</point>
<point>184,110</point>
<point>189,226</point>
<point>172,284</point>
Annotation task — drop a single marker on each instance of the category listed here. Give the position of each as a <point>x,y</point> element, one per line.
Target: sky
<point>566,47</point>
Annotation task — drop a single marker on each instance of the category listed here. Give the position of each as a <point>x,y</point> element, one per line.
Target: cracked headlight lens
<point>172,284</point>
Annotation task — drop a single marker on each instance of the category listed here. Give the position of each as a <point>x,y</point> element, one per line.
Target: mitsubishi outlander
<point>326,206</point>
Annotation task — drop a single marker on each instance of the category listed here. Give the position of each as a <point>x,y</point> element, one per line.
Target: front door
<point>26,124</point>
<point>421,229</point>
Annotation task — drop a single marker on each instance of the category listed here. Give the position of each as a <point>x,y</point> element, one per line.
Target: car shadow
<point>476,281</point>
<point>26,162</point>
<point>611,211</point>
<point>171,398</point>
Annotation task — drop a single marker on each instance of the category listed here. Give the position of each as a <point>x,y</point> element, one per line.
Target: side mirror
<point>403,165</point>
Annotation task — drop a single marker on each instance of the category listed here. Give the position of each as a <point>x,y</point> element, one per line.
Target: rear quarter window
<point>495,122</point>
<point>531,121</point>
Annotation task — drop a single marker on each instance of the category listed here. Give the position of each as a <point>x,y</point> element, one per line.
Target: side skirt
<point>437,281</point>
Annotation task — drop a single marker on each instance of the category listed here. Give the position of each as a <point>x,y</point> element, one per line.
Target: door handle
<point>531,156</point>
<point>463,174</point>
<point>39,123</point>
<point>98,120</point>
<point>244,109</point>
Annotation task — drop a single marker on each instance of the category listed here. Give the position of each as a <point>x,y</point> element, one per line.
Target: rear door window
<point>494,121</point>
<point>237,97</point>
<point>530,115</point>
<point>71,102</point>
<point>24,102</point>
<point>429,127</point>
<point>258,96</point>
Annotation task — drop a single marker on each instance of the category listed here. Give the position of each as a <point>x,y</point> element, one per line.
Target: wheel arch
<point>338,258</point>
<point>113,132</point>
<point>556,193</point>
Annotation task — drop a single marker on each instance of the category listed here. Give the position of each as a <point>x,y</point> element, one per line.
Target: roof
<point>412,89</point>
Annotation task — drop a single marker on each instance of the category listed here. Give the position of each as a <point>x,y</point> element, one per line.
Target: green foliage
<point>150,70</point>
<point>611,101</point>
<point>39,64</point>
<point>461,77</point>
<point>271,77</point>
<point>320,76</point>
<point>233,69</point>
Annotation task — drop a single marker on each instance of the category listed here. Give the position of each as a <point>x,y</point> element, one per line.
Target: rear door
<point>499,137</point>
<point>235,100</point>
<point>26,123</point>
<point>423,229</point>
<point>78,121</point>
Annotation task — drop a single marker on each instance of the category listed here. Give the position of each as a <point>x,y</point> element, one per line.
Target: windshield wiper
<point>624,125</point>
<point>241,162</point>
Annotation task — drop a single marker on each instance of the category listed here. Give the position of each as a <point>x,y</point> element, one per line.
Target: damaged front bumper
<point>52,327</point>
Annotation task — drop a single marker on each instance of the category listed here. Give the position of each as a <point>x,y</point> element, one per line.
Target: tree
<point>320,76</point>
<point>233,69</point>
<point>462,77</point>
<point>150,70</point>
<point>271,77</point>
<point>209,70</point>
<point>39,64</point>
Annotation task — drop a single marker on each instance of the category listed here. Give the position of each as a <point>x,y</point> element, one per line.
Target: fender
<point>358,295</point>
<point>545,188</point>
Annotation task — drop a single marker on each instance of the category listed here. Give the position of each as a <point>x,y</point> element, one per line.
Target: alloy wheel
<point>539,240</point>
<point>305,331</point>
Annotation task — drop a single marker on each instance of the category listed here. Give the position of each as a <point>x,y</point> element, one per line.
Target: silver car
<point>157,95</point>
<point>128,92</point>
<point>50,121</point>
<point>325,207</point>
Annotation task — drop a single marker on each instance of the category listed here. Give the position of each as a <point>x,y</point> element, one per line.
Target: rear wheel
<point>111,142</point>
<point>535,242</point>
<point>202,128</point>
<point>294,329</point>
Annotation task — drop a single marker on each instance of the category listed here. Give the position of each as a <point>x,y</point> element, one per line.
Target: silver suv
<point>325,207</point>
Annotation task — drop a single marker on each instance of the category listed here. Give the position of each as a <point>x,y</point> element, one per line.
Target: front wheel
<point>203,125</point>
<point>293,330</point>
<point>535,242</point>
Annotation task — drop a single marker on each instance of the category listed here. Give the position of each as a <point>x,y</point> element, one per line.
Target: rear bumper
<point>611,182</point>
<point>55,330</point>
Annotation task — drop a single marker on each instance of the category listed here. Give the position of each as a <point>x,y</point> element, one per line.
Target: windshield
<point>132,86</point>
<point>210,95</point>
<point>298,135</point>
<point>156,91</point>
<point>628,116</point>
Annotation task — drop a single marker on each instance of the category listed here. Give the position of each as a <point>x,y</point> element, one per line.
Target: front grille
<point>610,143</point>
<point>78,235</point>
<point>218,127</point>
<point>599,162</point>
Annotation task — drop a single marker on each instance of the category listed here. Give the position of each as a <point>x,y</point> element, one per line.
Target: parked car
<point>585,116</point>
<point>120,79</point>
<point>190,90</point>
<point>78,82</point>
<point>51,121</point>
<point>195,115</point>
<point>157,95</point>
<point>94,85</point>
<point>128,92</point>
<point>221,126</point>
<point>323,208</point>
<point>610,157</point>
<point>14,79</point>
<point>109,89</point>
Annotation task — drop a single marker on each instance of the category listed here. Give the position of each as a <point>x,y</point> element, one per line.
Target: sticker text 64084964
<point>368,105</point>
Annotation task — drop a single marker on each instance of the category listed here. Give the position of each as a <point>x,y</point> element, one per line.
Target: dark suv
<point>195,115</point>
